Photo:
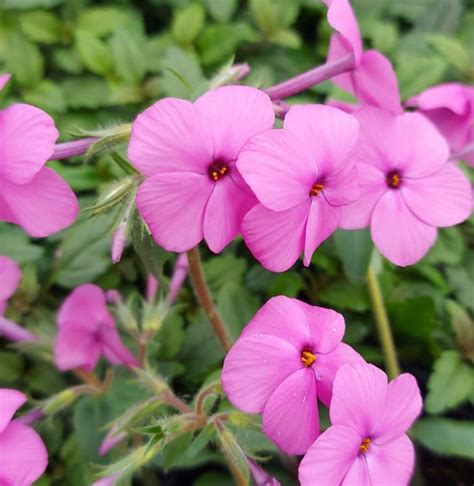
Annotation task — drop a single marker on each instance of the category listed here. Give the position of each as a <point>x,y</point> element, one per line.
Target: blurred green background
<point>91,64</point>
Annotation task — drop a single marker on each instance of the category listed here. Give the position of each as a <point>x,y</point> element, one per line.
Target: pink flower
<point>286,358</point>
<point>373,81</point>
<point>408,187</point>
<point>23,456</point>
<point>187,152</point>
<point>10,276</point>
<point>366,443</point>
<point>31,195</point>
<point>87,331</point>
<point>302,175</point>
<point>450,107</point>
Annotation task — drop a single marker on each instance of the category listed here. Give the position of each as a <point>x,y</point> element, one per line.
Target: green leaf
<point>446,436</point>
<point>343,295</point>
<point>288,283</point>
<point>27,4</point>
<point>286,38</point>
<point>449,247</point>
<point>222,269</point>
<point>47,95</point>
<point>200,441</point>
<point>451,383</point>
<point>354,249</point>
<point>221,10</point>
<point>11,367</point>
<point>24,60</point>
<point>101,21</point>
<point>41,26</point>
<point>86,92</point>
<point>188,23</point>
<point>451,50</point>
<point>233,452</point>
<point>94,53</point>
<point>15,243</point>
<point>129,56</point>
<point>81,178</point>
<point>175,449</point>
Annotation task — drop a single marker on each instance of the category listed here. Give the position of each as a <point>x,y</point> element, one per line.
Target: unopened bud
<point>60,401</point>
<point>119,240</point>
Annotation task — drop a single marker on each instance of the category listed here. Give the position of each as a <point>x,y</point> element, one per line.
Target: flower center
<point>316,189</point>
<point>217,170</point>
<point>364,445</point>
<point>394,180</point>
<point>307,358</point>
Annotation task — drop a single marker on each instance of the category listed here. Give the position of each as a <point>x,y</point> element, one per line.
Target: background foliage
<point>91,64</point>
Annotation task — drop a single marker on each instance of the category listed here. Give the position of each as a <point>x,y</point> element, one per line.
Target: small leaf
<point>174,449</point>
<point>355,250</point>
<point>188,23</point>
<point>94,53</point>
<point>200,441</point>
<point>129,56</point>
<point>41,26</point>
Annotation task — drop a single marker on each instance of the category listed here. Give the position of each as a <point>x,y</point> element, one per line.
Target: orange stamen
<point>316,189</point>
<point>364,445</point>
<point>394,180</point>
<point>307,358</point>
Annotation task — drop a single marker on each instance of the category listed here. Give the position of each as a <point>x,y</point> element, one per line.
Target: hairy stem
<point>172,400</point>
<point>205,298</point>
<point>89,378</point>
<point>383,325</point>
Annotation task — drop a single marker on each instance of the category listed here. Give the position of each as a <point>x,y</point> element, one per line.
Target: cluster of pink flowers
<point>289,356</point>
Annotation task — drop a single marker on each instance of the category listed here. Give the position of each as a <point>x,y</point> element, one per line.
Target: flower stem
<point>205,298</point>
<point>89,378</point>
<point>383,325</point>
<point>305,80</point>
<point>72,149</point>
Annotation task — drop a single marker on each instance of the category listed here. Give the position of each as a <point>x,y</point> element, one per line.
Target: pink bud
<point>119,240</point>
<point>178,277</point>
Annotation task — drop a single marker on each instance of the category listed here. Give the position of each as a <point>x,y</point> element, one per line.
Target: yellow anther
<point>307,358</point>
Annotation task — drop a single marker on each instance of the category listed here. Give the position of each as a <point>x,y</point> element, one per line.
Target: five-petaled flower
<point>286,358</point>
<point>87,331</point>
<point>366,443</point>
<point>187,152</point>
<point>407,186</point>
<point>302,175</point>
<point>23,456</point>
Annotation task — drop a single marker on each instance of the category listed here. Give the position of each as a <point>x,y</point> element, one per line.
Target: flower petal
<point>326,367</point>
<point>282,317</point>
<point>330,457</point>
<point>28,135</point>
<point>358,474</point>
<point>173,206</point>
<point>10,276</point>
<point>113,348</point>
<point>392,462</point>
<point>440,199</point>
<point>14,332</point>
<point>398,234</point>
<point>323,220</point>
<point>342,188</point>
<point>43,206</point>
<point>254,367</point>
<point>278,168</point>
<point>329,134</point>
<point>290,417</point>
<point>339,48</point>
<point>276,238</point>
<point>401,409</point>
<point>10,402</point>
<point>234,114</point>
<point>227,206</point>
<point>452,96</point>
<point>23,456</point>
<point>170,136</point>
<point>359,396</point>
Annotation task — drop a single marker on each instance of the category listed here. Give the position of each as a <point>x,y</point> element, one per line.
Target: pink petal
<point>234,114</point>
<point>14,332</point>
<point>343,105</point>
<point>330,457</point>
<point>113,348</point>
<point>282,317</point>
<point>10,402</point>
<point>173,207</point>
<point>323,220</point>
<point>375,82</point>
<point>278,168</point>
<point>5,213</point>
<point>342,188</point>
<point>440,199</point>
<point>329,134</point>
<point>107,481</point>
<point>227,206</point>
<point>414,133</point>
<point>43,206</point>
<point>327,365</point>
<point>170,136</point>
<point>392,462</point>
<point>290,417</point>
<point>359,397</point>
<point>372,186</point>
<point>402,407</point>
<point>358,474</point>
<point>10,276</point>
<point>28,136</point>
<point>398,234</point>
<point>255,367</point>
<point>453,96</point>
<point>338,48</point>
<point>23,456</point>
<point>76,347</point>
<point>276,238</point>
<point>4,78</point>
<point>110,441</point>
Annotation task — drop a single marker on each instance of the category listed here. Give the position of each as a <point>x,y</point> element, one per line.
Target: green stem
<point>383,325</point>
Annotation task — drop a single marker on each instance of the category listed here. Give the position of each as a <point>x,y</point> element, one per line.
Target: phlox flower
<point>23,456</point>
<point>407,186</point>
<point>187,152</point>
<point>31,195</point>
<point>286,359</point>
<point>372,81</point>
<point>87,331</point>
<point>302,175</point>
<point>10,276</point>
<point>366,444</point>
<point>450,107</point>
